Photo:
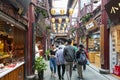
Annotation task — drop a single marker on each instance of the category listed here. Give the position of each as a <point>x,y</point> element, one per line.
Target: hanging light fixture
<point>53,20</point>
<point>60,20</point>
<point>70,11</point>
<point>59,29</point>
<point>59,25</point>
<point>53,25</point>
<point>63,29</point>
<point>67,20</point>
<point>64,25</point>
<point>54,28</point>
<point>62,11</point>
<point>53,11</point>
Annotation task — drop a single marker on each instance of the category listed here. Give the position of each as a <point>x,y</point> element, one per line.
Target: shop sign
<point>10,11</point>
<point>20,5</point>
<point>90,25</point>
<point>113,9</point>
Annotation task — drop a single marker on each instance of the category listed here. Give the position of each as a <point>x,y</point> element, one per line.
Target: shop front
<point>115,50</point>
<point>93,42</point>
<point>114,35</point>
<point>12,44</point>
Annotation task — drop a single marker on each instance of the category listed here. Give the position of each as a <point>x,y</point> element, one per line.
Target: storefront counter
<point>97,60</point>
<point>13,72</point>
<point>92,56</point>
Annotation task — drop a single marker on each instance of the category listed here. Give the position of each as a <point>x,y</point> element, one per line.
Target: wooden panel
<point>92,56</point>
<point>102,43</point>
<point>118,41</point>
<point>17,74</point>
<point>97,60</point>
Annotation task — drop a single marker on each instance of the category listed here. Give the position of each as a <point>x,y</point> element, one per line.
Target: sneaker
<point>55,75</point>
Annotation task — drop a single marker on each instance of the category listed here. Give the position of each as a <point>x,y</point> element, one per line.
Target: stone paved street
<point>89,74</point>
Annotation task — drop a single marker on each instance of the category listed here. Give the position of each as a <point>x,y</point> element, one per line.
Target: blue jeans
<point>53,65</point>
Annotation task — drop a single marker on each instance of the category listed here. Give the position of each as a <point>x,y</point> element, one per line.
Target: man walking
<point>60,62</point>
<point>69,55</point>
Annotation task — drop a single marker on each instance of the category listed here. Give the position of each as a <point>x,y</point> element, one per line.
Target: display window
<point>94,48</point>
<point>12,42</point>
<point>115,50</point>
<point>94,42</point>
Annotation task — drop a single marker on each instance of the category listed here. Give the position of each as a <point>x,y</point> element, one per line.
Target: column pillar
<point>105,50</point>
<point>29,41</point>
<point>78,24</point>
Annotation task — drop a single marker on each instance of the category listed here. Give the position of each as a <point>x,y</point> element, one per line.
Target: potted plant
<point>40,66</point>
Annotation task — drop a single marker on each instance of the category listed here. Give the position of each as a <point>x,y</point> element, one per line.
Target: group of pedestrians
<point>67,58</point>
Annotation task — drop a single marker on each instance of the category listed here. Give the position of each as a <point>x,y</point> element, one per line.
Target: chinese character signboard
<point>113,10</point>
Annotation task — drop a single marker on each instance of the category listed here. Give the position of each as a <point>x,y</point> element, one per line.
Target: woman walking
<point>53,61</point>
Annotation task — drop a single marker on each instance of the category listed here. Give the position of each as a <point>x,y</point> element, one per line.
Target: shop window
<point>11,43</point>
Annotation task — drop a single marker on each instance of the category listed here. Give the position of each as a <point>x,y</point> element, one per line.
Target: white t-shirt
<point>36,51</point>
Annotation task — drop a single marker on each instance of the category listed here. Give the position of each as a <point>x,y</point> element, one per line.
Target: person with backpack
<point>69,56</point>
<point>81,60</point>
<point>76,49</point>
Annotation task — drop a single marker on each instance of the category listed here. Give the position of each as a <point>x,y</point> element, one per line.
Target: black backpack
<point>68,55</point>
<point>82,60</point>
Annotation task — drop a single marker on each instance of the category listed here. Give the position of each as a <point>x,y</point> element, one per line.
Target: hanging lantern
<point>53,25</point>
<point>59,31</point>
<point>64,25</point>
<point>60,20</point>
<point>58,28</point>
<point>52,11</point>
<point>62,11</point>
<point>70,11</point>
<point>59,25</point>
<point>63,30</point>
<point>67,20</point>
<point>53,20</point>
<point>54,28</point>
